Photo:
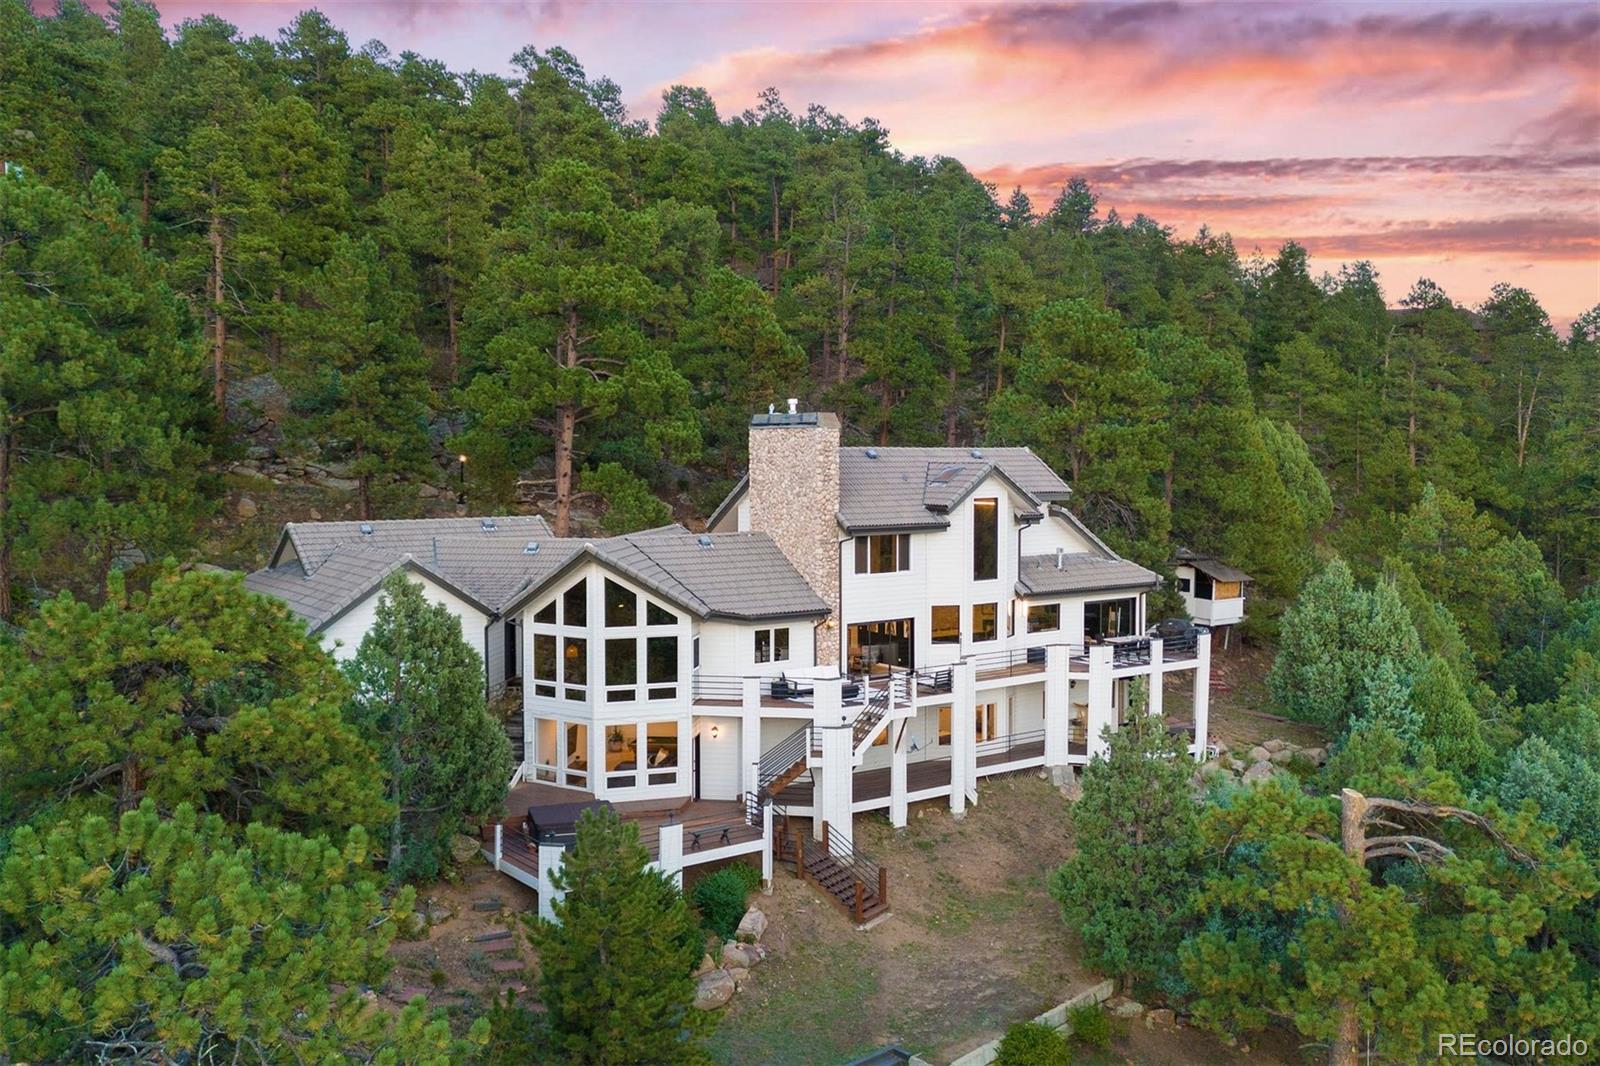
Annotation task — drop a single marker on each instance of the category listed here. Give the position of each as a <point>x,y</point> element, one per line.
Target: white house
<point>859,629</point>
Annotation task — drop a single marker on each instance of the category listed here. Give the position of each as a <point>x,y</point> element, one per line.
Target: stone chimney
<point>794,499</point>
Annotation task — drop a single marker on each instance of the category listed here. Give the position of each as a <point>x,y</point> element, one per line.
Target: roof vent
<point>794,406</point>
<point>487,525</point>
<point>872,453</point>
<point>976,453</point>
<point>703,540</point>
<point>531,548</point>
<point>366,529</point>
<point>1061,558</point>
<point>772,408</point>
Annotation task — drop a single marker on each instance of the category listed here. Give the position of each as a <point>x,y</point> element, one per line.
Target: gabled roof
<point>348,575</point>
<point>1072,572</point>
<point>904,489</point>
<point>742,576</point>
<point>914,488</point>
<point>729,575</point>
<point>1209,565</point>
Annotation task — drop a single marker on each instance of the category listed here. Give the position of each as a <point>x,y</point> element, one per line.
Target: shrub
<point>1032,1044</point>
<point>720,898</point>
<point>1090,1025</point>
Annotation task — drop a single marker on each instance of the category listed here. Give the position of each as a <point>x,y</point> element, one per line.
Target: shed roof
<point>1210,565</point>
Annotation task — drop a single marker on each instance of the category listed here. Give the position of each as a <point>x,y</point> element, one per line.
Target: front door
<point>697,766</point>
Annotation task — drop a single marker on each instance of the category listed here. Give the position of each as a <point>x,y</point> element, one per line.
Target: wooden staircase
<point>784,764</point>
<point>858,886</point>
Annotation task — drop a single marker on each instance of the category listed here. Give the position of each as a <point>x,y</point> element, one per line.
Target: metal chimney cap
<point>794,406</point>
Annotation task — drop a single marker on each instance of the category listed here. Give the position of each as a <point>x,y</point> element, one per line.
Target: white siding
<point>719,758</point>
<point>344,636</point>
<point>728,649</point>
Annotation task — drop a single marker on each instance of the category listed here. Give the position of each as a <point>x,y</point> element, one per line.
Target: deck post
<point>499,844</point>
<point>670,853</point>
<point>898,807</point>
<point>1102,712</point>
<point>750,732</point>
<point>963,754</point>
<point>1202,694</point>
<point>766,852</point>
<point>883,886</point>
<point>861,891</point>
<point>800,856</point>
<point>1057,710</point>
<point>1157,658</point>
<point>834,790</point>
<point>550,859</point>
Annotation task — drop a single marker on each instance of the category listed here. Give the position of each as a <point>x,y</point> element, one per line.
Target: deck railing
<point>718,687</point>
<point>866,873</point>
<point>782,757</point>
<point>1004,746</point>
<point>1009,662</point>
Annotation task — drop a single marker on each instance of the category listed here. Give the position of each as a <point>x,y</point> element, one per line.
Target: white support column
<point>550,858</point>
<point>1202,694</point>
<point>750,734</point>
<point>1057,704</point>
<point>670,853</point>
<point>1102,711</point>
<point>898,739</point>
<point>766,851</point>
<point>499,844</point>
<point>963,703</point>
<point>1157,657</point>
<point>833,789</point>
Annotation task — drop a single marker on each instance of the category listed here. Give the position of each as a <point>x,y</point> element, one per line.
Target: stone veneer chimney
<point>794,499</point>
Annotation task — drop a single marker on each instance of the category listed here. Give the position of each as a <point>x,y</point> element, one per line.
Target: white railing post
<point>899,809</point>
<point>750,731</point>
<point>766,850</point>
<point>1157,659</point>
<point>1202,694</point>
<point>499,844</point>
<point>550,859</point>
<point>963,759</point>
<point>670,852</point>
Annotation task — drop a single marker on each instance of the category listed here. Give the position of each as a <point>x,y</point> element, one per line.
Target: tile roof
<point>912,488</point>
<point>731,575</point>
<point>1039,575</point>
<point>313,541</point>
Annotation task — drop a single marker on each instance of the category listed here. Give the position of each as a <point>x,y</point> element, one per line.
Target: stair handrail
<point>868,874</point>
<point>782,757</point>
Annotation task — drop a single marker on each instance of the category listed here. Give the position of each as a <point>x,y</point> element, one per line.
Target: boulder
<point>1161,1016</point>
<point>707,964</point>
<point>438,912</point>
<point>737,954</point>
<point>740,975</point>
<point>713,990</point>
<point>1123,1007</point>
<point>1259,754</point>
<point>1318,756</point>
<point>1276,744</point>
<point>752,925</point>
<point>463,848</point>
<point>246,508</point>
<point>1258,772</point>
<point>1282,756</point>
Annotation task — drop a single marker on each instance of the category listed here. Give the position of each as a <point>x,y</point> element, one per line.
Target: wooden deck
<point>705,818</point>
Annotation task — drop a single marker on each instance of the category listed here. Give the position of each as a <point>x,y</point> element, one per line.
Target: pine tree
<point>615,967</point>
<point>557,323</point>
<point>101,426</point>
<point>1085,400</point>
<point>167,940</point>
<point>418,696</point>
<point>197,692</point>
<point>1126,889</point>
<point>361,388</point>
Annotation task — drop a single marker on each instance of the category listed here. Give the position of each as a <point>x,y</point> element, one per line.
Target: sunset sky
<point>1455,141</point>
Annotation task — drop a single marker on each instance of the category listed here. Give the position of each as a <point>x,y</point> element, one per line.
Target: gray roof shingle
<point>313,541</point>
<point>730,575</point>
<point>1038,575</point>
<point>912,488</point>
